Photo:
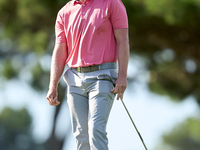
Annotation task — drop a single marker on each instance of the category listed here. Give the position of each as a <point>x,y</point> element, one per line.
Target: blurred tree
<point>165,32</point>
<point>26,40</point>
<point>185,136</point>
<point>15,127</point>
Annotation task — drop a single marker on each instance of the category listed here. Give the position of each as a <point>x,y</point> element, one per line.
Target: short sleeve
<point>118,15</point>
<point>59,29</point>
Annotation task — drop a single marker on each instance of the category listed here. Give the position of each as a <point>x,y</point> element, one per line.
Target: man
<point>91,35</point>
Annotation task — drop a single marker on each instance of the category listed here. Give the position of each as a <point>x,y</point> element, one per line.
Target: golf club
<point>107,77</point>
<point>134,126</point>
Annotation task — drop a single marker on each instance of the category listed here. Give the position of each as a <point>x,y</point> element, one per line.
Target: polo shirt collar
<point>79,2</point>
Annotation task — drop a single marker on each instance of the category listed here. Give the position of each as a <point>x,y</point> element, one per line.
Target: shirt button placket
<point>83,10</point>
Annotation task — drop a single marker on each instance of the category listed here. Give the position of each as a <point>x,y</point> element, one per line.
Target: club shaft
<point>134,125</point>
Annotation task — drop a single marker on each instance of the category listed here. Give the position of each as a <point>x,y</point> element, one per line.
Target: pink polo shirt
<point>88,30</point>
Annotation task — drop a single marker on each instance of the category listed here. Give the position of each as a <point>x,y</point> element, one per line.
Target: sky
<point>153,115</point>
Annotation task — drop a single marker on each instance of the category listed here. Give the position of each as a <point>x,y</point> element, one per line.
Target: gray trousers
<point>90,102</point>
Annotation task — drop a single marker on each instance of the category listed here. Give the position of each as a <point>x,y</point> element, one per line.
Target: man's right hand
<point>52,97</point>
<point>59,57</point>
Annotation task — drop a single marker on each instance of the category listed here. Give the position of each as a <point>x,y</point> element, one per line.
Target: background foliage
<point>166,33</point>
<point>15,128</point>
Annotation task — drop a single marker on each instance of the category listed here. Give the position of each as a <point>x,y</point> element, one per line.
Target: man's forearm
<point>121,36</point>
<point>123,58</point>
<point>57,65</point>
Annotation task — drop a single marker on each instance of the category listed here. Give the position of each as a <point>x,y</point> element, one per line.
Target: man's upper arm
<point>60,29</point>
<point>121,35</point>
<point>61,50</point>
<point>118,15</point>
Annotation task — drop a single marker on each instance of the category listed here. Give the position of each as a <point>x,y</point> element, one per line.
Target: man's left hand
<point>120,87</point>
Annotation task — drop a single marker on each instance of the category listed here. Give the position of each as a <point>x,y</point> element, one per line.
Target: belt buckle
<point>79,69</point>
<point>88,69</point>
<point>85,69</point>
